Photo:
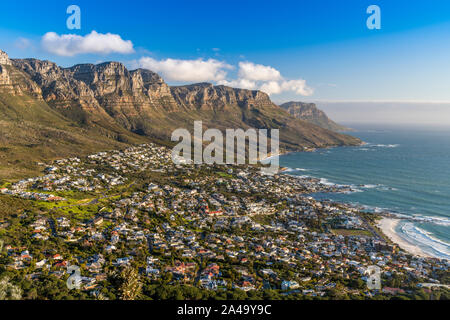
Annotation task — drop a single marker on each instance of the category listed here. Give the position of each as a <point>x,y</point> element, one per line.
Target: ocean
<point>402,169</point>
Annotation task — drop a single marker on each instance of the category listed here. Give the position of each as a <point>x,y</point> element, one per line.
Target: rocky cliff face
<point>4,77</point>
<point>113,86</point>
<point>4,59</point>
<point>130,97</point>
<point>119,101</point>
<point>60,89</point>
<point>205,96</point>
<point>309,112</point>
<point>105,94</point>
<point>14,81</point>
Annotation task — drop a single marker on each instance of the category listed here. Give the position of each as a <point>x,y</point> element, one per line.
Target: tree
<point>131,286</point>
<point>9,291</point>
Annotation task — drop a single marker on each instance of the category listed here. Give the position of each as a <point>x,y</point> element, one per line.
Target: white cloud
<point>240,83</point>
<point>258,72</point>
<point>187,70</point>
<point>249,76</point>
<point>23,43</point>
<point>69,45</point>
<point>267,79</point>
<point>297,86</point>
<point>276,87</point>
<point>271,87</point>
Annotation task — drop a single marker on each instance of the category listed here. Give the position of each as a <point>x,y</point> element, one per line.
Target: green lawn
<point>225,175</point>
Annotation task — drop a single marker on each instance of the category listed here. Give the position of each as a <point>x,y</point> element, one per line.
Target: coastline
<point>306,149</point>
<point>388,225</point>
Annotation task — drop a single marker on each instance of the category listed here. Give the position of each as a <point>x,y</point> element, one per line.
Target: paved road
<point>372,229</point>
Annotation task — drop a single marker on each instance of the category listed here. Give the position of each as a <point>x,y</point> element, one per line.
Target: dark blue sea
<point>402,169</point>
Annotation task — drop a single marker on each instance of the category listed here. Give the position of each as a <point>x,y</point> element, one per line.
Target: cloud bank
<point>187,70</point>
<point>249,76</point>
<point>255,72</point>
<point>69,45</point>
<point>267,79</point>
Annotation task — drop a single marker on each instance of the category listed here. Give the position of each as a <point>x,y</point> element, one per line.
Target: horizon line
<point>384,101</point>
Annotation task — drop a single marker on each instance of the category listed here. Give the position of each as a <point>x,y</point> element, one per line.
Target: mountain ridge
<point>131,106</point>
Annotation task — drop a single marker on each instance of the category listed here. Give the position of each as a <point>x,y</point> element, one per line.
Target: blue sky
<point>297,50</point>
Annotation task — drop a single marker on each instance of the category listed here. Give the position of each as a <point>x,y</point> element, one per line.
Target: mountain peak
<point>4,59</point>
<point>309,112</point>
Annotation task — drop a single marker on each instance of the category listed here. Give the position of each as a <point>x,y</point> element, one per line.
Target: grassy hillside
<point>31,132</point>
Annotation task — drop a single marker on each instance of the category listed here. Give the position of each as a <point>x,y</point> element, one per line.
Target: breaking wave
<point>425,240</point>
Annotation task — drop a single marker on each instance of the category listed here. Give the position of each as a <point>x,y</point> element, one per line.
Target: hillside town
<point>215,228</point>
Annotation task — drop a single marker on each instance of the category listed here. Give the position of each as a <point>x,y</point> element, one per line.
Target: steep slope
<point>131,98</point>
<point>106,95</point>
<point>225,107</point>
<point>31,131</point>
<point>72,97</point>
<point>110,96</point>
<point>309,112</point>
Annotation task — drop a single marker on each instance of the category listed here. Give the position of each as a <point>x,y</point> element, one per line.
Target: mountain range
<point>48,111</point>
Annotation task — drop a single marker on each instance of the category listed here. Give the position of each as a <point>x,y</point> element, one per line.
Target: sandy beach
<point>387,226</point>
